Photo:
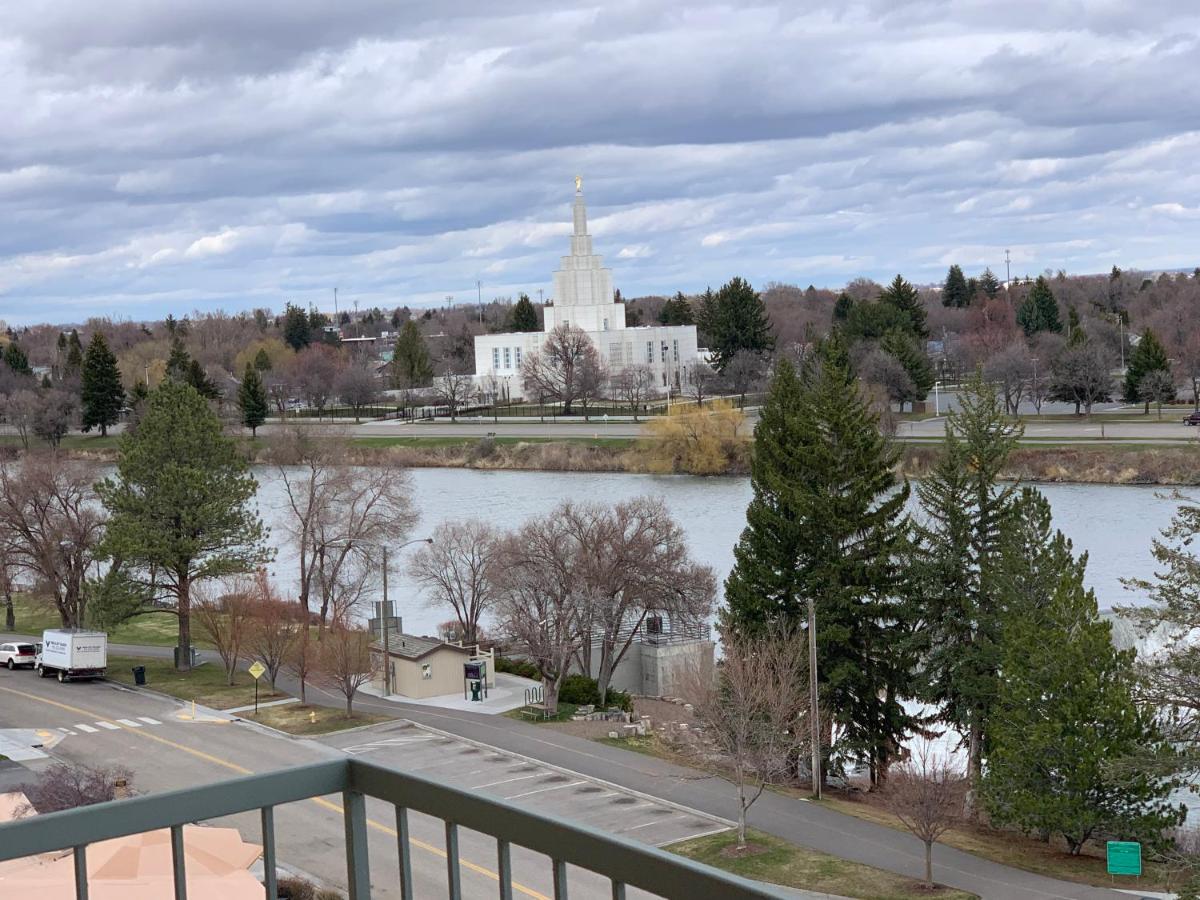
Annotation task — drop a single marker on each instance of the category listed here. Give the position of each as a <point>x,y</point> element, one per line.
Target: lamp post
<point>937,408</point>
<point>383,611</point>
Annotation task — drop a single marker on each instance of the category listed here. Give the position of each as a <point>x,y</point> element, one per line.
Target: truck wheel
<point>41,672</point>
<point>62,677</point>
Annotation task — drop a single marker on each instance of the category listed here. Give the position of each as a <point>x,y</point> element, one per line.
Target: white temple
<point>583,297</point>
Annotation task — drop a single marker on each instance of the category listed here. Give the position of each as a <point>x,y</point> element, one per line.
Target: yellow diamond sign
<point>256,670</point>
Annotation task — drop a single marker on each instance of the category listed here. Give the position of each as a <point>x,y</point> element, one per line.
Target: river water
<point>1114,524</point>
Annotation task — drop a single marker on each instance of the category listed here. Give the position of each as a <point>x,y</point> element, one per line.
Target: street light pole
<point>387,650</point>
<point>814,711</point>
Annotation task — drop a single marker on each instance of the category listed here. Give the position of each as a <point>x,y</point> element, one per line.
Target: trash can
<point>139,674</point>
<point>477,691</point>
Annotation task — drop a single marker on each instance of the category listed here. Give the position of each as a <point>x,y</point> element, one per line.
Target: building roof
<point>410,646</point>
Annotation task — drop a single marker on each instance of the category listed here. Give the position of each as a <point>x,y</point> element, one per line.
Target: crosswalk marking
<point>66,731</point>
<point>109,725</point>
<point>148,720</point>
<point>130,723</point>
<point>87,729</point>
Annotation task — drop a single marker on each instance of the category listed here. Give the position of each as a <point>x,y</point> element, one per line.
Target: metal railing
<point>623,862</point>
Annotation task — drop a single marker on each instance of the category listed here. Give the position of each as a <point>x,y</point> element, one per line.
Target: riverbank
<point>1098,462</point>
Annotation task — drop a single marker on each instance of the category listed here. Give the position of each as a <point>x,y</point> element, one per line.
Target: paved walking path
<point>799,821</point>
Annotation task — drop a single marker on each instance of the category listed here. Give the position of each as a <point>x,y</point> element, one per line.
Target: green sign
<point>1124,858</point>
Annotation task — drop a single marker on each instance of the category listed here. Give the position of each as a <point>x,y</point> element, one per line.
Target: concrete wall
<point>658,671</point>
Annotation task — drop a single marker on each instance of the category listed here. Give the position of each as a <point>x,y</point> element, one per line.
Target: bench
<point>536,710</point>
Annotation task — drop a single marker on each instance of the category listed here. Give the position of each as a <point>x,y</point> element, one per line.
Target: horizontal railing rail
<point>625,863</point>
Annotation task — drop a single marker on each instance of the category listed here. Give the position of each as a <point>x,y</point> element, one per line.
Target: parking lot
<point>535,786</point>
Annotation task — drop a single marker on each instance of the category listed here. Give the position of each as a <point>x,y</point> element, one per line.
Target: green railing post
<point>504,868</point>
<point>358,867</point>
<point>560,879</point>
<point>453,874</point>
<point>178,869</point>
<point>402,844</point>
<point>268,845</point>
<point>81,876</point>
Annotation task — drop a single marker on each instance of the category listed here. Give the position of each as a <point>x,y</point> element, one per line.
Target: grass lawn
<point>1018,851</point>
<point>565,711</point>
<point>70,442</point>
<point>295,718</point>
<point>405,441</point>
<point>779,862</point>
<point>155,629</point>
<point>205,684</point>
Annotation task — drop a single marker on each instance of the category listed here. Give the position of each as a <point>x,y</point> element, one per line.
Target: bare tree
<point>303,657</point>
<point>538,600</point>
<point>316,369</point>
<point>753,711</point>
<point>884,371</point>
<point>357,387</point>
<point>1011,369</point>
<point>566,367</point>
<point>700,380</point>
<point>634,385</point>
<point>744,371</point>
<point>21,409</point>
<point>592,379</point>
<point>56,413</point>
<point>61,786</point>
<point>1082,375</point>
<point>1157,387</point>
<point>453,390</point>
<point>273,628</point>
<point>457,569</point>
<point>225,621</point>
<point>631,560</point>
<point>346,662</point>
<point>51,525</point>
<point>926,794</point>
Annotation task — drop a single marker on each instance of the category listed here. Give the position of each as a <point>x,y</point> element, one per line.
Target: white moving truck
<point>71,653</point>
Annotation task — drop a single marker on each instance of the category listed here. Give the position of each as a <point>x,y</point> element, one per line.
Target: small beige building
<point>424,667</point>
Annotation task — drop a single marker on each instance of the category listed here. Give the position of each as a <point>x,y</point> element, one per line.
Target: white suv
<point>17,654</point>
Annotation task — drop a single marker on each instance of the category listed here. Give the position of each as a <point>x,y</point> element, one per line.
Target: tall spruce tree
<point>252,399</point>
<point>955,291</point>
<point>74,358</point>
<point>989,284</point>
<point>964,507</point>
<point>15,359</point>
<point>1148,356</point>
<point>827,525</point>
<point>904,348</point>
<point>181,505</point>
<point>102,394</point>
<point>411,366</point>
<point>903,297</point>
<point>297,329</point>
<point>262,360</point>
<point>1065,715</point>
<point>523,316</point>
<point>1039,311</point>
<point>676,311</point>
<point>735,319</point>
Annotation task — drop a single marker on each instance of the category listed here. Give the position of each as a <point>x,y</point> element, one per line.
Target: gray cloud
<point>230,154</point>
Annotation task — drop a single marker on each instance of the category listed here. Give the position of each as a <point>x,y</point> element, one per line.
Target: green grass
<point>295,718</point>
<point>70,442</point>
<point>565,711</point>
<point>405,441</point>
<point>155,630</point>
<point>779,862</point>
<point>206,684</point>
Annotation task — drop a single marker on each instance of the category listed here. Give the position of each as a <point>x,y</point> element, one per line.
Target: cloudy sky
<point>165,157</point>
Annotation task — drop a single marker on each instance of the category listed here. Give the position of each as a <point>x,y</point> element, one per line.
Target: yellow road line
<point>241,770</point>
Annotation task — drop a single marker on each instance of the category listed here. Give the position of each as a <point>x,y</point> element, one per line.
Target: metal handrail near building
<point>624,862</point>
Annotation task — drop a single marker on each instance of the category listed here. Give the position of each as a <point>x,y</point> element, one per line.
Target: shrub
<point>295,889</point>
<point>583,691</point>
<point>520,667</point>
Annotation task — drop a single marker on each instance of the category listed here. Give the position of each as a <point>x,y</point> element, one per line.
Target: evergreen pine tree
<point>964,506</point>
<point>523,316</point>
<point>262,361</point>
<point>955,291</point>
<point>920,371</point>
<point>178,361</point>
<point>1148,356</point>
<point>1039,311</point>
<point>102,394</point>
<point>410,363</point>
<point>74,356</point>
<point>15,359</point>
<point>904,297</point>
<point>198,378</point>
<point>826,524</point>
<point>1065,714</point>
<point>252,399</point>
<point>735,319</point>
<point>676,311</point>
<point>989,284</point>
<point>297,331</point>
<point>842,307</point>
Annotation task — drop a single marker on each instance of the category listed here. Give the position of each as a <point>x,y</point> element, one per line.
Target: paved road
<point>102,723</point>
<point>808,824</point>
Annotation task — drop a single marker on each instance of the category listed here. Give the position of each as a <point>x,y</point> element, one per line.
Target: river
<point>1114,524</point>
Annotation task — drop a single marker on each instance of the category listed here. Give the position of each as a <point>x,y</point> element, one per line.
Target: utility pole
<point>479,298</point>
<point>335,309</point>
<point>541,302</point>
<point>384,618</point>
<point>814,708</point>
<point>1121,332</point>
<point>1035,399</point>
<point>1007,273</point>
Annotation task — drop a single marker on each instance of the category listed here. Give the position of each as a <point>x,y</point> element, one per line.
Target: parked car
<point>17,654</point>
<point>1192,419</point>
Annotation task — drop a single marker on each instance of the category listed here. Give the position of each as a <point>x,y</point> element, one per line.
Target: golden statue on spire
<point>578,183</point>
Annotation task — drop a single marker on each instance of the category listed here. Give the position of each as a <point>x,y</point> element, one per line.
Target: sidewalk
<point>508,694</point>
